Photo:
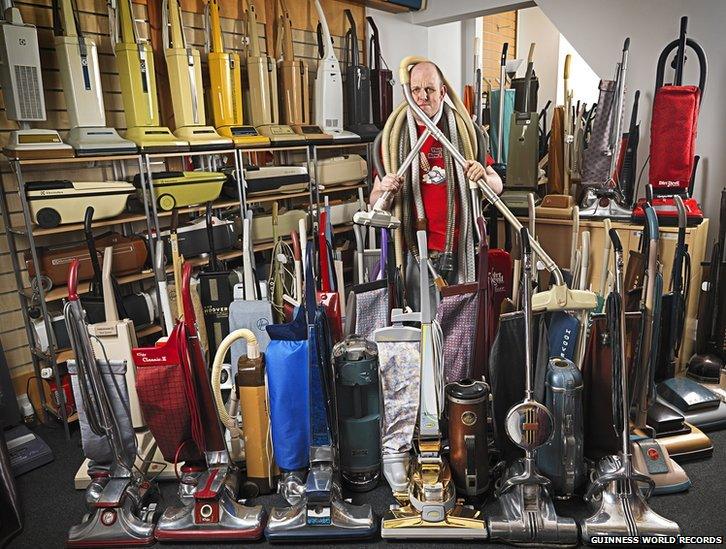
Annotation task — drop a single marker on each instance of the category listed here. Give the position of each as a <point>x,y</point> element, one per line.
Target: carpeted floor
<point>51,505</point>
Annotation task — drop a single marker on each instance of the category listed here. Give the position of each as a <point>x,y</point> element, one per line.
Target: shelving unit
<point>143,163</point>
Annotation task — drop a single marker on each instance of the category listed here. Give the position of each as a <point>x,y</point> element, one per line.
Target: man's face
<point>427,88</point>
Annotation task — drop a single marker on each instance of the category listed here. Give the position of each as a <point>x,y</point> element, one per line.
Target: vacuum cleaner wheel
<point>48,218</point>
<point>166,202</point>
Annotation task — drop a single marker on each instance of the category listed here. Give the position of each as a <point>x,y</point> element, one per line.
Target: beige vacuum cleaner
<point>185,82</point>
<point>262,87</point>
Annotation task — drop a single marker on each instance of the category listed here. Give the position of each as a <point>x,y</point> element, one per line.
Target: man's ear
<point>443,90</point>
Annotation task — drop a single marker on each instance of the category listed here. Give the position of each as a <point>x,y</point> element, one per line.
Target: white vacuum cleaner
<point>22,85</point>
<point>329,89</point>
<point>81,78</point>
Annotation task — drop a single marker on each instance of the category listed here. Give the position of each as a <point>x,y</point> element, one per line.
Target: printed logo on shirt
<point>435,176</point>
<point>435,152</point>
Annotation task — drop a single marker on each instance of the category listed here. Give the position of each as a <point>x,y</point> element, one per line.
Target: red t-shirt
<point>433,193</point>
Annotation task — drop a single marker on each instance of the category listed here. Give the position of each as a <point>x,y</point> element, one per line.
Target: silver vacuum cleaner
<point>528,515</point>
<point>122,504</point>
<point>621,508</point>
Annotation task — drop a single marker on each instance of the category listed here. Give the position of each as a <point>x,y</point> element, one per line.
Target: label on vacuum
<point>319,516</point>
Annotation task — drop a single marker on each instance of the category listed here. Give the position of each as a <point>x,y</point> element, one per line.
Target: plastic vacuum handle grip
<point>87,221</point>
<point>682,214</point>
<point>626,44</point>
<point>73,279</point>
<point>482,224</point>
<point>615,239</point>
<point>651,223</point>
<point>296,252</point>
<point>568,63</point>
<point>174,220</point>
<point>503,60</point>
<point>186,297</point>
<point>524,238</point>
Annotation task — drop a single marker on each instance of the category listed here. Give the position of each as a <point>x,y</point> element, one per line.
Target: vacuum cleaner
<point>225,77</point>
<point>135,61</point>
<point>81,78</point>
<point>318,512</point>
<point>208,489</point>
<point>329,87</point>
<point>673,134</point>
<point>528,515</point>
<point>357,87</point>
<point>429,509</point>
<point>184,66</point>
<point>621,508</point>
<point>262,88</point>
<point>381,79</point>
<point>294,84</point>
<point>22,84</point>
<point>357,400</point>
<point>603,197</point>
<point>122,503</point>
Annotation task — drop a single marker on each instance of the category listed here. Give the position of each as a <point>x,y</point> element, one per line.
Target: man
<point>437,184</point>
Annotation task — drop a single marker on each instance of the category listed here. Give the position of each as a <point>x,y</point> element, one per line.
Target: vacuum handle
<point>354,54</point>
<point>375,46</point>
<point>528,76</point>
<point>210,237</point>
<point>702,63</point>
<point>73,279</point>
<point>91,244</point>
<point>319,34</point>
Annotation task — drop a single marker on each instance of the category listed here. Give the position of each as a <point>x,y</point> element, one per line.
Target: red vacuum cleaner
<point>673,126</point>
<point>176,398</point>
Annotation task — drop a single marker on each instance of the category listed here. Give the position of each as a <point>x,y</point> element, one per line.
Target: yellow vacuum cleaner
<point>262,87</point>
<point>225,90</point>
<point>22,85</point>
<point>294,83</point>
<point>138,83</point>
<point>184,66</point>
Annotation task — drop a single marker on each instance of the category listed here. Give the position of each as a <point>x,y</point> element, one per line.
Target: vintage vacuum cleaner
<point>135,61</point>
<point>317,510</point>
<point>329,87</point>
<point>429,509</point>
<point>225,89</point>
<point>81,78</point>
<point>621,507</point>
<point>357,401</point>
<point>673,125</point>
<point>22,84</point>
<point>122,503</point>
<point>381,80</point>
<point>528,514</point>
<point>184,66</point>
<point>262,87</point>
<point>294,84</point>
<point>603,196</point>
<point>357,87</point>
<point>208,508</point>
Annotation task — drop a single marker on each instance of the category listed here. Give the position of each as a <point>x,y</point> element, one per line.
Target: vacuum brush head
<point>377,218</point>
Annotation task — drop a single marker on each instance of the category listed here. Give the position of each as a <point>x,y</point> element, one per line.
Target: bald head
<point>427,87</point>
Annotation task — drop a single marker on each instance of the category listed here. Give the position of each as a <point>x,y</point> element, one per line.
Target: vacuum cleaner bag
<point>457,315</point>
<point>399,368</point>
<point>287,365</point>
<point>595,160</point>
<point>97,448</point>
<point>255,316</point>
<point>673,137</point>
<point>370,307</point>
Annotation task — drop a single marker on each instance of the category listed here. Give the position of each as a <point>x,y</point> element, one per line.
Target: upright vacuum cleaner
<point>381,80</point>
<point>528,514</point>
<point>135,61</point>
<point>294,83</point>
<point>184,66</point>
<point>318,512</point>
<point>262,87</point>
<point>432,510</point>
<point>122,504</point>
<point>22,84</point>
<point>603,197</point>
<point>329,87</point>
<point>616,491</point>
<point>81,78</point>
<point>208,488</point>
<point>225,77</point>
<point>357,87</point>
<point>673,134</point>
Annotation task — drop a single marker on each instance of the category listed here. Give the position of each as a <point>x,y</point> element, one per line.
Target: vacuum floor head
<point>281,135</point>
<point>99,141</point>
<point>376,218</point>
<point>601,204</point>
<point>622,510</point>
<point>408,523</point>
<point>651,458</point>
<point>29,144</point>
<point>244,136</point>
<point>203,138</point>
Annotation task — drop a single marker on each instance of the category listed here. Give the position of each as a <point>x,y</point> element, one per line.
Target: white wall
<point>533,26</point>
<point>445,49</point>
<point>583,81</point>
<point>597,30</point>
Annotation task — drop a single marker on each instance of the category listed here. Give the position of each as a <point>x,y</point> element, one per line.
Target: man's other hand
<point>474,171</point>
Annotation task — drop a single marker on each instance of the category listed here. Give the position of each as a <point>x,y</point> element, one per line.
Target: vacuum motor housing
<point>355,363</point>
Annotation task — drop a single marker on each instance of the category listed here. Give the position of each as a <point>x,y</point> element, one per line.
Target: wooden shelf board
<point>284,196</point>
<point>74,159</point>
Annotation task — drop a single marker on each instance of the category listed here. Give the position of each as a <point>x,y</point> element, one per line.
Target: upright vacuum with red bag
<point>177,402</point>
<point>673,136</point>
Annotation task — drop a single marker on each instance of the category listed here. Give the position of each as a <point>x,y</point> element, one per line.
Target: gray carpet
<point>51,505</point>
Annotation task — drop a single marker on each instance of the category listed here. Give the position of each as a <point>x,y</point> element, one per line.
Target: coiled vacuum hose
<point>252,352</point>
<point>391,138</point>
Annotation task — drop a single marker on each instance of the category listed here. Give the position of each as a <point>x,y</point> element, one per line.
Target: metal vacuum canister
<point>466,403</point>
<point>562,459</point>
<point>357,395</point>
<point>250,381</point>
